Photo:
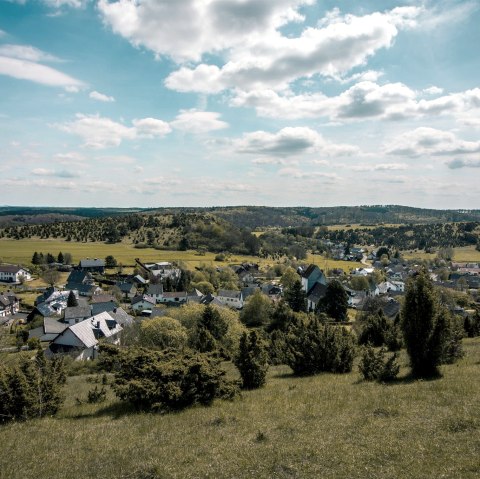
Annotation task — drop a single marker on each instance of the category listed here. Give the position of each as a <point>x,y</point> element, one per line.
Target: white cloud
<point>463,163</point>
<point>54,173</point>
<point>290,142</point>
<point>433,90</point>
<point>151,127</point>
<point>299,174</point>
<point>100,132</point>
<point>392,101</point>
<point>430,141</point>
<point>95,95</point>
<point>380,167</point>
<point>22,62</point>
<point>194,121</point>
<point>67,3</point>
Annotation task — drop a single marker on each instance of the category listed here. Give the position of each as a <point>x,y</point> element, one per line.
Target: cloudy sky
<point>228,102</point>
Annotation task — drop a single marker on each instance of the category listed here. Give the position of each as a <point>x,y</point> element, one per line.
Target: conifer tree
<point>72,300</point>
<point>296,297</point>
<point>252,361</point>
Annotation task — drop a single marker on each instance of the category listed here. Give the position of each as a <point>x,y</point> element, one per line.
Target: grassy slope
<point>329,426</point>
<point>463,254</point>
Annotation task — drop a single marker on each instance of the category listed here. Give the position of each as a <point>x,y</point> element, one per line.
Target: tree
<point>67,258</point>
<point>381,251</point>
<point>312,347</point>
<point>335,302</point>
<point>110,262</point>
<point>72,300</point>
<point>60,258</point>
<point>426,326</point>
<point>296,297</point>
<point>359,283</point>
<point>213,322</point>
<point>280,317</point>
<point>163,333</point>
<point>50,258</point>
<point>252,361</point>
<point>289,277</point>
<point>36,259</point>
<point>51,276</point>
<point>257,309</point>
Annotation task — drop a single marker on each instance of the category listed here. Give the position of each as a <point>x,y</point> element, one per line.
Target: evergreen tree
<point>36,259</point>
<point>110,262</point>
<point>50,258</point>
<point>60,258</point>
<point>252,361</point>
<point>335,302</point>
<point>72,300</point>
<point>426,327</point>
<point>213,322</point>
<point>281,316</point>
<point>296,297</point>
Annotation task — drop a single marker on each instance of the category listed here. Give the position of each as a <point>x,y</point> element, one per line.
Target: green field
<point>21,251</point>
<point>327,426</point>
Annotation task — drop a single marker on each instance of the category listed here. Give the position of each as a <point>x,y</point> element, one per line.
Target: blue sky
<point>227,102</point>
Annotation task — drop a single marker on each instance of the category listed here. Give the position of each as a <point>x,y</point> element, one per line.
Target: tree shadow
<point>115,410</point>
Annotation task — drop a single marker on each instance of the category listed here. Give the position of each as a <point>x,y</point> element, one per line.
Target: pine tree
<point>335,302</point>
<point>213,322</point>
<point>426,327</point>
<point>72,300</point>
<point>252,361</point>
<point>296,297</point>
<point>60,258</point>
<point>36,258</point>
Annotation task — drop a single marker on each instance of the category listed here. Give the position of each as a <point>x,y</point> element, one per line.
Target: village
<point>97,303</point>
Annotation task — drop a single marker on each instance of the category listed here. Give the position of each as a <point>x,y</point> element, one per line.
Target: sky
<point>151,103</point>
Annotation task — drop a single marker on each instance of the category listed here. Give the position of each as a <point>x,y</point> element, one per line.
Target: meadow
<point>328,426</point>
<point>462,255</point>
<point>21,251</point>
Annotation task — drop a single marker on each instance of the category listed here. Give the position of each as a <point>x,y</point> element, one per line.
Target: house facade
<point>231,298</point>
<point>10,273</point>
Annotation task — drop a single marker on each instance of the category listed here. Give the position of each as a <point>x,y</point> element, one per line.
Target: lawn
<point>328,426</point>
<point>462,255</point>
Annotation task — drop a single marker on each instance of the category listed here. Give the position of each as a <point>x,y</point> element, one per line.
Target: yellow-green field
<point>461,255</point>
<point>21,251</point>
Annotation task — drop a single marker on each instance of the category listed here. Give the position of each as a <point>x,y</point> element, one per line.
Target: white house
<point>139,303</point>
<point>155,291</point>
<point>81,339</point>
<point>9,304</point>
<point>231,298</point>
<point>173,297</point>
<point>10,273</point>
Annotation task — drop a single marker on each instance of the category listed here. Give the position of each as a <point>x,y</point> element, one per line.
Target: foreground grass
<point>329,426</point>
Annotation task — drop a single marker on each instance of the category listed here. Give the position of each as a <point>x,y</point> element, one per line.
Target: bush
<point>153,380</point>
<point>312,347</point>
<point>375,330</point>
<point>33,388</point>
<point>252,361</point>
<point>471,325</point>
<point>374,366</point>
<point>96,395</point>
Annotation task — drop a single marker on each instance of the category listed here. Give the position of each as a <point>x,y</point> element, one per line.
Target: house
<point>161,270</point>
<point>103,307</point>
<point>231,298</point>
<point>9,304</point>
<point>155,291</point>
<point>362,271</point>
<point>174,298</point>
<point>50,329</point>
<point>75,314</point>
<point>81,340</point>
<point>92,265</point>
<point>121,317</point>
<point>10,273</point>
<point>144,301</point>
<point>129,290</point>
<point>315,295</point>
<point>311,275</point>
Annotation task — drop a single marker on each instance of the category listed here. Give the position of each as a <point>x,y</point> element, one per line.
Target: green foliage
<point>374,366</point>
<point>163,333</point>
<point>296,297</point>
<point>34,344</point>
<point>427,327</point>
<point>281,315</point>
<point>110,262</point>
<point>335,302</point>
<point>256,310</point>
<point>32,388</point>
<point>72,300</point>
<point>376,329</point>
<point>97,395</point>
<point>312,347</point>
<point>252,360</point>
<point>471,325</point>
<point>152,380</point>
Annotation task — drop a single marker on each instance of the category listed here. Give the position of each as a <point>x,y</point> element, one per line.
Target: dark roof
<point>78,277</point>
<point>317,292</point>
<point>391,308</point>
<point>229,293</point>
<point>81,311</point>
<point>175,294</point>
<point>249,291</point>
<point>126,287</point>
<point>121,316</point>
<point>155,289</point>
<point>10,268</point>
<point>306,273</point>
<point>53,326</point>
<point>143,297</point>
<point>92,263</point>
<point>106,307</point>
<point>102,298</point>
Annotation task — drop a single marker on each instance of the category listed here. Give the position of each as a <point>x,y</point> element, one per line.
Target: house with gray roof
<point>92,265</point>
<point>231,298</point>
<point>12,273</point>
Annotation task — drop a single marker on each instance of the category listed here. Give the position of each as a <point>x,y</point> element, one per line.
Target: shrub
<point>252,361</point>
<point>312,347</point>
<point>97,395</point>
<point>375,330</point>
<point>153,380</point>
<point>471,325</point>
<point>33,388</point>
<point>374,366</point>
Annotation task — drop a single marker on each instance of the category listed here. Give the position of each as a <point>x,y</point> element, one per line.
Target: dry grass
<point>329,426</point>
<point>462,254</point>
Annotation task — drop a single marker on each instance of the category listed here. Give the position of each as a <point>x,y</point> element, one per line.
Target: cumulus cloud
<point>101,132</point>
<point>430,141</point>
<point>290,142</point>
<point>299,174</point>
<point>433,90</point>
<point>195,121</point>
<point>380,167</point>
<point>392,101</point>
<point>463,163</point>
<point>23,62</point>
<point>95,95</point>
